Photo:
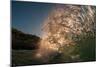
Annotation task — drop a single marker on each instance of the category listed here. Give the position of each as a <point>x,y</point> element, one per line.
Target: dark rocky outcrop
<point>24,41</point>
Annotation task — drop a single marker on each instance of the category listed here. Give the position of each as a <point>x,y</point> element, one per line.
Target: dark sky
<point>28,17</point>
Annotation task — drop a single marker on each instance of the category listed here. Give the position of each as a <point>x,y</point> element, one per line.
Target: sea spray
<point>64,27</point>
